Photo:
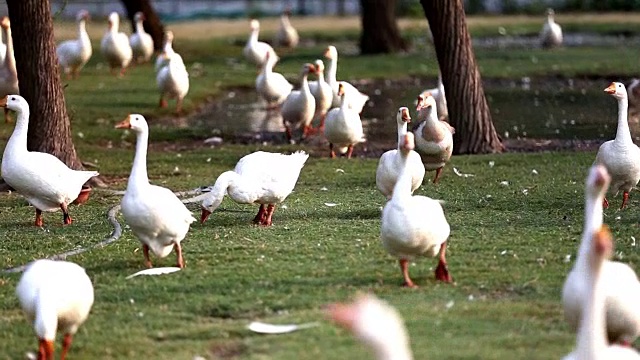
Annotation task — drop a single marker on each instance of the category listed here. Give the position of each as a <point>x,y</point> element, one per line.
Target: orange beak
<point>611,89</point>
<point>340,90</point>
<point>124,124</point>
<point>419,104</point>
<point>405,116</point>
<point>205,215</point>
<point>327,53</point>
<point>312,69</point>
<point>3,101</point>
<point>603,240</point>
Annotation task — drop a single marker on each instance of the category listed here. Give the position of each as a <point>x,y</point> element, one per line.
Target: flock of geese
<point>599,296</point>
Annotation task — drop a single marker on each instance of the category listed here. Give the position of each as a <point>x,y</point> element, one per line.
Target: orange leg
<point>442,272</point>
<point>349,151</point>
<point>260,216</point>
<point>39,222</point>
<point>45,350</point>
<point>163,102</point>
<point>66,218</point>
<point>404,266</point>
<point>308,130</point>
<point>438,172</point>
<point>625,198</point>
<point>145,252</point>
<point>66,345</point>
<point>287,131</point>
<point>122,71</point>
<point>332,153</point>
<point>178,248</point>
<point>605,203</point>
<point>268,214</point>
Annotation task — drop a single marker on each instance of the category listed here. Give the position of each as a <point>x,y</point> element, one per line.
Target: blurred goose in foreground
<point>376,324</point>
<point>74,54</point>
<point>8,72</point>
<point>434,138</point>
<point>47,183</point>
<point>440,98</point>
<point>404,232</point>
<point>356,99</point>
<point>272,86</point>
<point>343,127</point>
<point>551,33</point>
<point>256,51</point>
<point>115,46</point>
<point>259,178</point>
<point>167,51</point>
<point>287,35</point>
<point>173,80</point>
<point>322,92</point>
<point>155,214</point>
<point>299,106</point>
<point>55,296</point>
<point>592,341</point>
<point>621,288</point>
<point>620,156</point>
<point>392,162</point>
<point>141,42</point>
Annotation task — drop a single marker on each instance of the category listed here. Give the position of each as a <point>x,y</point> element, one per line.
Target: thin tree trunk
<point>39,79</point>
<point>468,109</point>
<point>380,32</point>
<point>152,23</point>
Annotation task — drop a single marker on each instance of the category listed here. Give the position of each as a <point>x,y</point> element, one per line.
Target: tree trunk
<point>380,32</point>
<point>341,8</point>
<point>468,109</point>
<point>39,79</point>
<point>152,23</point>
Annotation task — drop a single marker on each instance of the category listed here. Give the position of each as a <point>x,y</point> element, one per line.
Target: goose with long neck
<point>376,324</point>
<point>287,35</point>
<point>322,92</point>
<point>115,46</point>
<point>167,51</point>
<point>355,99</point>
<point>8,72</point>
<point>141,42</point>
<point>343,127</point>
<point>272,86</point>
<point>591,340</point>
<point>621,289</point>
<point>256,51</point>
<point>47,183</point>
<point>74,54</point>
<point>155,214</point>
<point>620,156</point>
<point>391,162</point>
<point>173,81</point>
<point>299,106</point>
<point>434,137</point>
<point>259,178</point>
<point>551,33</point>
<point>404,232</point>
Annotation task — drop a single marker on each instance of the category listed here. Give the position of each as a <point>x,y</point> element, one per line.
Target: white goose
<point>45,181</point>
<point>440,98</point>
<point>167,50</point>
<point>392,162</point>
<point>74,54</point>
<point>434,137</point>
<point>55,296</point>
<point>141,42</point>
<point>404,231</point>
<point>256,51</point>
<point>621,289</point>
<point>343,127</point>
<point>155,214</point>
<point>620,156</point>
<point>357,100</point>
<point>299,106</point>
<point>322,92</point>
<point>259,178</point>
<point>173,81</point>
<point>115,46</point>
<point>272,86</point>
<point>376,324</point>
<point>551,33</point>
<point>8,72</point>
<point>287,35</point>
<point>592,341</point>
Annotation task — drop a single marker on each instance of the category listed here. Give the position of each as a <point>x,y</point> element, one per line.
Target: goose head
<point>254,25</point>
<point>550,13</point>
<point>14,102</point>
<point>83,15</point>
<point>307,69</point>
<point>114,21</point>
<point>403,116</point>
<point>139,16</point>
<point>425,101</point>
<point>5,22</point>
<point>135,122</point>
<point>319,66</point>
<point>598,181</point>
<point>331,52</point>
<point>617,90</point>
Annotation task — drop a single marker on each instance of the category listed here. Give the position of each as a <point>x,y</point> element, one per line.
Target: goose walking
<point>8,72</point>
<point>322,92</point>
<point>115,46</point>
<point>343,127</point>
<point>357,100</point>
<point>272,86</point>
<point>141,42</point>
<point>256,51</point>
<point>551,33</point>
<point>74,54</point>
<point>173,80</point>
<point>167,51</point>
<point>299,106</point>
<point>434,137</point>
<point>287,35</point>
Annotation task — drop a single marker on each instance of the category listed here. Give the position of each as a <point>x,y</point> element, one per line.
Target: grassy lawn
<point>510,249</point>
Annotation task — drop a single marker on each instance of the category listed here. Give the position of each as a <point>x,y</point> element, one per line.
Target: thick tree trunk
<point>380,32</point>
<point>39,79</point>
<point>468,109</point>
<point>152,23</point>
<point>341,8</point>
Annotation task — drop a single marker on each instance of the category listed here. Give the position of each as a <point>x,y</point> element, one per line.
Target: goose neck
<point>215,196</point>
<point>304,84</point>
<point>592,222</point>
<point>9,60</point>
<point>623,133</point>
<point>18,141</point>
<point>253,36</point>
<point>139,27</point>
<point>402,131</point>
<point>139,175</point>
<point>332,71</point>
<point>591,335</point>
<point>402,189</point>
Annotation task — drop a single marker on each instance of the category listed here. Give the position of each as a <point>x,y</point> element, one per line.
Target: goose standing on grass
<point>115,46</point>
<point>173,81</point>
<point>299,106</point>
<point>141,42</point>
<point>155,214</point>
<point>74,54</point>
<point>287,35</point>
<point>45,181</point>
<point>592,341</point>
<point>621,288</point>
<point>322,92</point>
<point>272,86</point>
<point>167,50</point>
<point>414,225</point>
<point>551,34</point>
<point>55,296</point>
<point>620,156</point>
<point>256,51</point>
<point>440,98</point>
<point>259,178</point>
<point>376,324</point>
<point>8,72</point>
<point>357,100</point>
<point>392,162</point>
<point>434,138</point>
<point>343,127</point>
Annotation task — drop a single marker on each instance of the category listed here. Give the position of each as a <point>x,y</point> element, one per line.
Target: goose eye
<point>13,98</point>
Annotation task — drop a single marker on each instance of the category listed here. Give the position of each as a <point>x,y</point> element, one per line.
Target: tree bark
<point>468,109</point>
<point>380,32</point>
<point>152,23</point>
<point>39,79</point>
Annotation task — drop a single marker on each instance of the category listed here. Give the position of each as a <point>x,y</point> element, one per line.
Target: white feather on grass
<point>155,271</point>
<point>264,328</point>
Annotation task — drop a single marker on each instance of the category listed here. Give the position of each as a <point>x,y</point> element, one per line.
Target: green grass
<point>507,248</point>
